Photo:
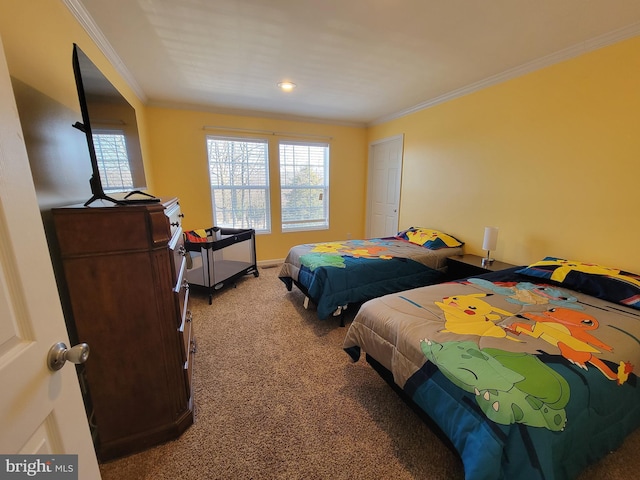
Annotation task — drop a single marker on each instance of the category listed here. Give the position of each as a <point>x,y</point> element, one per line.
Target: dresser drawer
<point>181,291</point>
<point>186,328</point>
<point>186,336</point>
<point>188,369</point>
<point>176,245</point>
<point>175,215</point>
<point>180,267</point>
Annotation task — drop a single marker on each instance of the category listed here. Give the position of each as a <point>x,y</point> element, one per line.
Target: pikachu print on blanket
<point>566,266</point>
<point>471,315</point>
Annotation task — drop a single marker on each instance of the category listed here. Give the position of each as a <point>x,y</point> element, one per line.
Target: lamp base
<point>487,261</point>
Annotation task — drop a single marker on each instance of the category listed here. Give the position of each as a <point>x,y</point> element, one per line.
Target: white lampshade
<point>490,238</point>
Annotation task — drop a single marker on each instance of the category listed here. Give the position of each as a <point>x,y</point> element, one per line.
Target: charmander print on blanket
<point>527,379</point>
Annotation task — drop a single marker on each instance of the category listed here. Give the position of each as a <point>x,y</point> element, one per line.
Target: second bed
<point>334,275</point>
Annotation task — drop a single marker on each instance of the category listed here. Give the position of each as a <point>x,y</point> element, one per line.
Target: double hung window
<point>113,161</point>
<point>239,178</point>
<point>304,185</point>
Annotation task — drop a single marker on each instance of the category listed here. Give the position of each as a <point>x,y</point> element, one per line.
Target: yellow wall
<point>551,158</point>
<point>38,38</point>
<point>178,147</point>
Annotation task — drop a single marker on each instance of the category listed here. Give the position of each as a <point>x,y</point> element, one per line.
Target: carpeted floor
<point>277,398</point>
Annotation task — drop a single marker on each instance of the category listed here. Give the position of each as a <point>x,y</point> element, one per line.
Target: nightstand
<point>462,266</point>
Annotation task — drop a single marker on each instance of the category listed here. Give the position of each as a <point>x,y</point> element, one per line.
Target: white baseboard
<point>270,263</point>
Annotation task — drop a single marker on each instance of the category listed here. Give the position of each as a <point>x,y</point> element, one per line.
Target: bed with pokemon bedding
<point>530,372</point>
<point>336,274</point>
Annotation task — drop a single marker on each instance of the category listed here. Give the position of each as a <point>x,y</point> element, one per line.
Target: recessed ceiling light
<point>286,86</point>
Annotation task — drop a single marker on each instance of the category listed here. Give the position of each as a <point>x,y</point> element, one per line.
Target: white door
<point>41,412</point>
<point>383,193</point>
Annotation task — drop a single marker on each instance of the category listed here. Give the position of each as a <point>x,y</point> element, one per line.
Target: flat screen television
<point>110,125</point>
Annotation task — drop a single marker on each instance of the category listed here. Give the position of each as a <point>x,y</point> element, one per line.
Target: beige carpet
<point>277,398</point>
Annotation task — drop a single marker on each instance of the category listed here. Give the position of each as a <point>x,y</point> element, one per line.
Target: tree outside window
<point>238,171</point>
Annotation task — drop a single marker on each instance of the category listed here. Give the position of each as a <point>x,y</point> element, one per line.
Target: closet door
<point>383,192</point>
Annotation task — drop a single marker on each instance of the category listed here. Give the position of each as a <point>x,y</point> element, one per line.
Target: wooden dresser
<point>124,268</point>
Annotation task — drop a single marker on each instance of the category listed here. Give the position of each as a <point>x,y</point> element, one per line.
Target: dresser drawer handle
<point>175,224</point>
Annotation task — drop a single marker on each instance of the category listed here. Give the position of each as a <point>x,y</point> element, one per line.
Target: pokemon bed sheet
<point>335,274</point>
<point>528,380</point>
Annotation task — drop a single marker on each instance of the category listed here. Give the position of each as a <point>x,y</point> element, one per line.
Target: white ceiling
<point>354,61</point>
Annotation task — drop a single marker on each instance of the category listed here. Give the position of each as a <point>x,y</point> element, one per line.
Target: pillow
<point>596,280</point>
<point>429,238</point>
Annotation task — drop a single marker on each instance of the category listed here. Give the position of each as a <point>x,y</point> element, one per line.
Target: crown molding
<point>546,61</point>
<point>85,20</point>
<point>254,113</point>
<point>82,16</point>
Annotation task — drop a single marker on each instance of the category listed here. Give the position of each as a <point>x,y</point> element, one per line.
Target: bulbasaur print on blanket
<point>508,387</point>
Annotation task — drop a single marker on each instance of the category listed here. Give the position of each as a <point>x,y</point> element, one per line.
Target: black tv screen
<point>110,125</point>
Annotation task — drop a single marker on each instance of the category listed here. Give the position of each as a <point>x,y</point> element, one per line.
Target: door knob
<point>59,354</point>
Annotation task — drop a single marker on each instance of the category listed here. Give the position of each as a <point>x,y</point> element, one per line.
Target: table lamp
<point>489,243</point>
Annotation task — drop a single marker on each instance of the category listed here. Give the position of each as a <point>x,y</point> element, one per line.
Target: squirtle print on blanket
<point>528,380</point>
<point>335,274</point>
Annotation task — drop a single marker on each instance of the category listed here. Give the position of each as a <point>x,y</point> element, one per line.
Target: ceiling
<point>354,61</point>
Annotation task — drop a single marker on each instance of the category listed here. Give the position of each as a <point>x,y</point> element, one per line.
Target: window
<point>239,174</point>
<point>304,186</point>
<point>113,161</point>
